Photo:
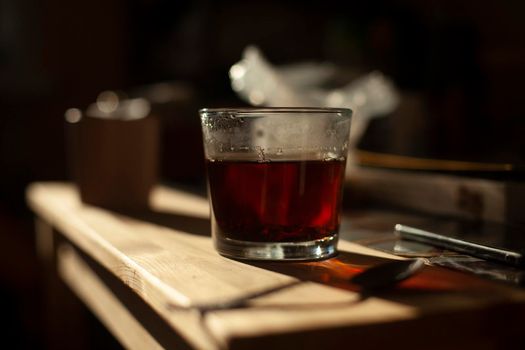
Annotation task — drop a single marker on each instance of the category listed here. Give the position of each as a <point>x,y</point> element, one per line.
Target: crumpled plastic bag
<point>260,83</point>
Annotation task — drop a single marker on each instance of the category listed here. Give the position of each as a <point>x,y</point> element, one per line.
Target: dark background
<point>460,66</point>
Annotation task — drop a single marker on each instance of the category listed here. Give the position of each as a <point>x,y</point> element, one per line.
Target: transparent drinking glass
<point>275,178</point>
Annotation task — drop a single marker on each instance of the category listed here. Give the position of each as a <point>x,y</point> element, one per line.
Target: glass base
<point>318,249</point>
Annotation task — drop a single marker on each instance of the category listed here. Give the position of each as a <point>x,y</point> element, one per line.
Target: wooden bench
<point>148,277</point>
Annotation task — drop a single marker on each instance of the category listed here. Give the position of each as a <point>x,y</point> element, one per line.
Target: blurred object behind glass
<point>175,104</point>
<point>258,82</point>
<point>113,152</point>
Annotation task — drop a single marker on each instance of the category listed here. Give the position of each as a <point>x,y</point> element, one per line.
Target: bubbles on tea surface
<point>261,155</point>
<point>331,157</point>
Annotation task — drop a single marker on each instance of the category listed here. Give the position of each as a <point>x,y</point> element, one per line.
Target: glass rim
<point>247,111</point>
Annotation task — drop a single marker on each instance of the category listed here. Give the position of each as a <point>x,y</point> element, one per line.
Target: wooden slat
<point>436,194</point>
<point>394,161</point>
<point>167,258</point>
<point>96,295</point>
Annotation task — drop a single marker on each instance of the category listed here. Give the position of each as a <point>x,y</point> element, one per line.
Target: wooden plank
<point>436,194</point>
<point>96,295</point>
<point>167,258</point>
<point>399,162</point>
<point>65,322</point>
<point>59,205</point>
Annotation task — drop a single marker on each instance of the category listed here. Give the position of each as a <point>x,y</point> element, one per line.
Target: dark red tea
<point>282,201</point>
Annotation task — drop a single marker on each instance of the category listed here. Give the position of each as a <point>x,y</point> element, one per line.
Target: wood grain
<point>92,291</point>
<point>167,258</point>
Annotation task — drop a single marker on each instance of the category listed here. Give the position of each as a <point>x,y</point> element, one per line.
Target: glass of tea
<point>275,178</point>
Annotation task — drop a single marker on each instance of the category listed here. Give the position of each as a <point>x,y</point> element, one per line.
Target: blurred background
<point>459,65</point>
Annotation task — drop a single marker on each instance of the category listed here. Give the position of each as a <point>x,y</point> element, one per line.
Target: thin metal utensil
<point>374,279</point>
<point>387,275</point>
